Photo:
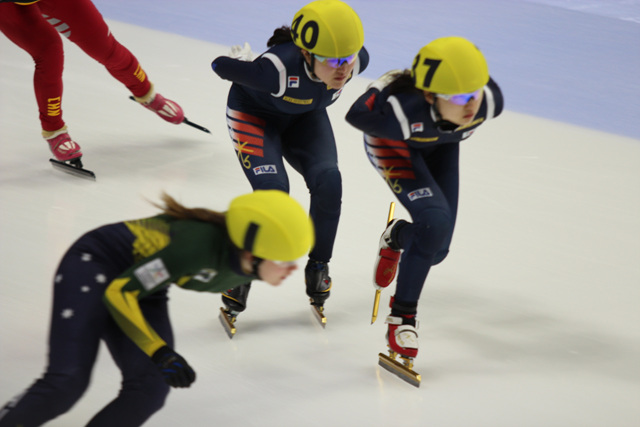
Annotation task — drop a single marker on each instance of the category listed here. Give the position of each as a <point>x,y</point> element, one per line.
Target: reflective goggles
<point>337,62</point>
<point>285,264</point>
<point>461,98</point>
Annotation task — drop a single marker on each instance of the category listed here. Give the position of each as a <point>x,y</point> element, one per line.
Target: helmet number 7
<point>433,66</point>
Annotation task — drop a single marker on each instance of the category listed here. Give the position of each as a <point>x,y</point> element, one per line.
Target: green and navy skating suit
<point>121,272</point>
<point>418,157</point>
<point>276,110</point>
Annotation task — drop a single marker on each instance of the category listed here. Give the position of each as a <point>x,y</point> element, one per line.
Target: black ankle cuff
<point>395,243</point>
<point>400,308</point>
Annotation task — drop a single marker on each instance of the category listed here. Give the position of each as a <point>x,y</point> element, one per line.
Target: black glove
<point>175,370</point>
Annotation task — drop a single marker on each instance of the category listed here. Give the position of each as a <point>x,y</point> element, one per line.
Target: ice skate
<point>67,153</point>
<point>389,253</point>
<point>316,275</point>
<point>402,340</point>
<point>386,261</point>
<point>235,301</point>
<point>167,109</point>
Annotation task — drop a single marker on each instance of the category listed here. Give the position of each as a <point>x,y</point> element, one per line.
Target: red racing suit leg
<point>83,24</point>
<point>25,26</point>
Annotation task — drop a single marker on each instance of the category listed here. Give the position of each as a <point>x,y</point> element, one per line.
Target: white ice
<point>531,321</point>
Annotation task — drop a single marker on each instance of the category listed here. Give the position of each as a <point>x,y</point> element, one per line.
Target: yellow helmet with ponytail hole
<point>329,28</point>
<point>271,225</point>
<point>450,65</point>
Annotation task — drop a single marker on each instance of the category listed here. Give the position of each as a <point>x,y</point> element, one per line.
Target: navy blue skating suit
<point>417,155</point>
<point>276,110</point>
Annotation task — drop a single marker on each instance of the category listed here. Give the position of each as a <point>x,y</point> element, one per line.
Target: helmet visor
<point>337,62</point>
<point>285,264</point>
<point>461,98</point>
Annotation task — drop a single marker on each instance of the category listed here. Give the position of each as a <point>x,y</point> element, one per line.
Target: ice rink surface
<point>531,321</point>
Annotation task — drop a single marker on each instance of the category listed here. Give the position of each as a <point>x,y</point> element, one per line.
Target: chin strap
<point>255,264</point>
<point>312,66</point>
<point>441,124</point>
<point>446,126</point>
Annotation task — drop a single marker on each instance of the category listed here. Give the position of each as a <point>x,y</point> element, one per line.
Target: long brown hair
<point>173,208</point>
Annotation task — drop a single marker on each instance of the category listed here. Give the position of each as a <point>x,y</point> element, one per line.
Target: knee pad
<point>432,227</point>
<point>327,192</point>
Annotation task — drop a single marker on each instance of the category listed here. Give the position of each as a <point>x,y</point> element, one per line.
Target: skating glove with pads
<point>384,80</point>
<point>243,53</point>
<point>175,370</point>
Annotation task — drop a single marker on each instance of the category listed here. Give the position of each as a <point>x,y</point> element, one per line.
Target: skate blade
<point>185,121</point>
<point>227,322</point>
<point>318,313</point>
<point>195,125</point>
<point>400,370</point>
<point>73,169</point>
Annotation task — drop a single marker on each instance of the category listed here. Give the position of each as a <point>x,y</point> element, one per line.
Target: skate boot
<point>62,146</point>
<point>235,301</point>
<point>402,336</point>
<point>169,110</point>
<point>402,339</point>
<point>316,277</point>
<point>67,153</point>
<point>389,253</point>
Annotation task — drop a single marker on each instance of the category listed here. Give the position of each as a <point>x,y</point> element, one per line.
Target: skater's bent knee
<point>138,400</point>
<point>432,227</point>
<point>149,394</point>
<point>62,390</point>
<point>440,256</point>
<point>328,190</point>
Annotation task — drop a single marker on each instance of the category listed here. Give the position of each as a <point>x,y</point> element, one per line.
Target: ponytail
<point>172,208</point>
<point>403,83</point>
<point>280,35</point>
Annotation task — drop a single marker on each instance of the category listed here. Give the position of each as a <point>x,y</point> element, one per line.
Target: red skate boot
<point>169,110</point>
<point>388,258</point>
<point>67,153</point>
<point>402,335</point>
<point>402,338</point>
<point>62,146</point>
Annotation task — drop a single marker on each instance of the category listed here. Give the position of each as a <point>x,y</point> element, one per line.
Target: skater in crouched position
<point>111,285</point>
<point>276,111</point>
<point>35,26</point>
<point>413,122</point>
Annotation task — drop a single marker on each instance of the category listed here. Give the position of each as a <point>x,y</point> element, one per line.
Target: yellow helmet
<point>450,65</point>
<point>271,225</point>
<point>328,28</point>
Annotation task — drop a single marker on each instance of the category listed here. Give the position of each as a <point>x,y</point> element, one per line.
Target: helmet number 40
<point>308,40</point>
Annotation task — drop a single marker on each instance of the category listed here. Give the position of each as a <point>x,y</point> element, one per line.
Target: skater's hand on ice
<point>385,79</point>
<point>243,53</point>
<point>175,370</point>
